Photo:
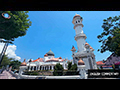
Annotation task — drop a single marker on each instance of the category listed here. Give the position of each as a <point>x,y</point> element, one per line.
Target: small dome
<point>80,62</point>
<point>73,48</point>
<point>91,47</point>
<point>77,15</point>
<point>45,55</point>
<point>23,63</point>
<point>60,57</point>
<point>50,53</point>
<point>86,43</point>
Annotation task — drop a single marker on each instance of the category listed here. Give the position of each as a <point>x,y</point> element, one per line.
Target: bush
<point>72,72</point>
<point>31,73</point>
<point>58,70</point>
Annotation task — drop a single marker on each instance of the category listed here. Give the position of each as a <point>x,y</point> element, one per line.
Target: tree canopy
<point>15,26</point>
<point>58,70</point>
<point>110,37</point>
<point>11,62</point>
<point>6,61</point>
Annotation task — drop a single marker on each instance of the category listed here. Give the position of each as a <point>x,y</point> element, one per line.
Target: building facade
<point>46,63</point>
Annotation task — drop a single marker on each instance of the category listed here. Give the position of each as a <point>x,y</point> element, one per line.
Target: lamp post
<point>6,43</point>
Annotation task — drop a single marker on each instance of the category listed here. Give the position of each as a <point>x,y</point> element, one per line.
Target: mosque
<point>84,57</point>
<point>46,63</point>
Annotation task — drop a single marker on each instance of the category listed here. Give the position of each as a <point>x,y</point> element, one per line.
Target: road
<point>6,75</point>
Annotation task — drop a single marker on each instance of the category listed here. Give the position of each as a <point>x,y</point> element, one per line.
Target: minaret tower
<point>80,36</point>
<point>85,51</point>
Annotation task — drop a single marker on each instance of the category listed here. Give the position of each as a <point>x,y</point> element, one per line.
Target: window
<point>78,20</point>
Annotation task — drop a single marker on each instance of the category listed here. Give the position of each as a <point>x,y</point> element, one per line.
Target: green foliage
<point>110,37</point>
<point>72,69</point>
<point>31,73</point>
<point>6,61</point>
<point>69,65</point>
<point>58,70</point>
<point>14,27</point>
<point>15,64</point>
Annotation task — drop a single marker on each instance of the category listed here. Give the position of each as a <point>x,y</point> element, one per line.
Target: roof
<point>77,15</point>
<point>60,57</point>
<point>50,53</point>
<point>107,66</point>
<point>100,63</point>
<point>38,60</point>
<point>118,63</point>
<point>53,59</point>
<point>73,48</point>
<point>86,43</point>
<point>81,62</point>
<point>45,55</point>
<point>91,47</point>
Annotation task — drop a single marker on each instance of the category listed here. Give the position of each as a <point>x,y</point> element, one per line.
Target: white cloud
<point>10,51</point>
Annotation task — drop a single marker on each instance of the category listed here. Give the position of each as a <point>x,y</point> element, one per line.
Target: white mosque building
<point>84,57</point>
<point>46,63</point>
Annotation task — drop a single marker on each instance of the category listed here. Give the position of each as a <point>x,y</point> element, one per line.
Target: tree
<point>15,26</point>
<point>6,61</point>
<point>74,67</point>
<point>58,70</point>
<point>15,64</point>
<point>69,65</point>
<point>110,37</point>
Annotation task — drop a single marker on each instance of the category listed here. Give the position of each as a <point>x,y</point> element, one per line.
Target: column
<point>52,67</point>
<point>29,68</point>
<point>33,68</point>
<point>49,67</point>
<point>36,67</point>
<point>39,67</point>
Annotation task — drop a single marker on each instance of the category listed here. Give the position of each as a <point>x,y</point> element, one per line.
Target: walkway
<point>6,75</point>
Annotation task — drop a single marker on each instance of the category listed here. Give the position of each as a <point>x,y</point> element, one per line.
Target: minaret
<point>80,36</point>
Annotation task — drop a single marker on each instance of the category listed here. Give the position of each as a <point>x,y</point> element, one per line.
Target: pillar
<point>36,67</point>
<point>41,67</point>
<point>33,68</point>
<point>49,67</point>
<point>52,67</point>
<point>29,68</point>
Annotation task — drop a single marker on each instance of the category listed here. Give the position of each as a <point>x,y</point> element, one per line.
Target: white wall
<point>86,63</point>
<point>78,29</point>
<point>81,44</point>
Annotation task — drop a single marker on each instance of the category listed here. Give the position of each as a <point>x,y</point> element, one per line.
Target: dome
<point>91,47</point>
<point>77,15</point>
<point>73,48</point>
<point>60,57</point>
<point>50,53</point>
<point>80,62</point>
<point>45,55</point>
<point>23,63</point>
<point>86,43</point>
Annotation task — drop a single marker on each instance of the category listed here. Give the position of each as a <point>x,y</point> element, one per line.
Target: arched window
<point>76,21</point>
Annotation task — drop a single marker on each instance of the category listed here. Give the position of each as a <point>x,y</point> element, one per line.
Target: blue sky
<point>54,30</point>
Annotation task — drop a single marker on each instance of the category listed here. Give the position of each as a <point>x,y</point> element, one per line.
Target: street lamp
<point>6,16</point>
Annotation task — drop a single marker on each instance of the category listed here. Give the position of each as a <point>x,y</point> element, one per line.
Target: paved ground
<point>6,75</point>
